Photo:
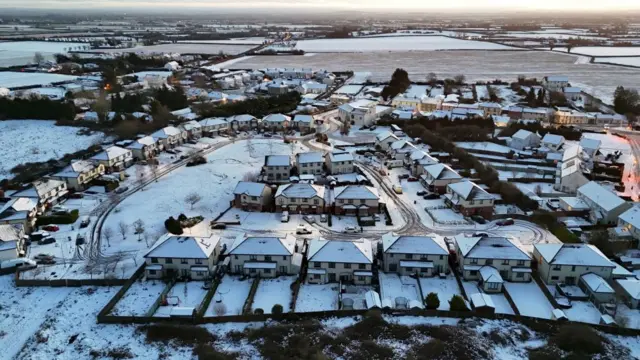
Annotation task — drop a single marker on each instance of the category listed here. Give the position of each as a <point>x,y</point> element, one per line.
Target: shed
<point>415,304</point>
<point>482,303</point>
<point>347,304</point>
<point>559,315</point>
<point>372,300</point>
<point>387,303</point>
<point>401,302</point>
<point>182,312</point>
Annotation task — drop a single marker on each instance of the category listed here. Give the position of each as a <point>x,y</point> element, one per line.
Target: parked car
<point>267,135</point>
<point>403,176</point>
<point>76,196</point>
<point>85,222</point>
<point>46,241</point>
<point>421,193</point>
<point>351,230</point>
<point>302,230</point>
<point>38,235</point>
<point>52,228</point>
<point>43,259</point>
<point>412,179</point>
<point>310,219</point>
<point>218,226</point>
<point>323,218</point>
<point>122,189</point>
<point>80,240</point>
<point>431,196</point>
<point>284,217</point>
<point>480,234</point>
<point>397,189</point>
<point>171,151</point>
<point>479,219</point>
<point>553,204</point>
<point>505,222</point>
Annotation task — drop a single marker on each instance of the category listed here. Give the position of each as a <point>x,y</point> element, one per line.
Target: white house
<point>352,199</point>
<point>192,128</point>
<point>339,162</point>
<point>143,148</point>
<point>385,139</point>
<point>552,142</point>
<point>469,199</point>
<point>359,113</point>
<point>310,163</point>
<point>590,146</point>
<point>605,206</point>
<point>630,221</point>
<point>80,173</point>
<point>276,121</point>
<point>566,263</point>
<point>303,122</point>
<point>168,137</point>
<point>523,139</point>
<point>114,158</point>
<point>11,237</point>
<point>277,168</point>
<point>18,211</point>
<point>304,198</point>
<point>264,256</point>
<point>414,254</point>
<point>212,126</point>
<point>337,260</point>
<point>571,171</point>
<point>243,122</point>
<point>46,192</point>
<point>184,256</point>
<point>555,82</point>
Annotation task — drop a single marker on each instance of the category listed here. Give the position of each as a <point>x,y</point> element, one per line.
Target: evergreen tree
<point>457,304</point>
<point>432,301</point>
<point>541,96</point>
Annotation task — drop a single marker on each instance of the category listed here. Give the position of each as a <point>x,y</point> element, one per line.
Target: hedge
<point>68,218</point>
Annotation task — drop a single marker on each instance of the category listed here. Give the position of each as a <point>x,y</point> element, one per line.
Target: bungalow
<point>605,206</point>
<point>356,199</point>
<point>590,146</point>
<point>183,256</point>
<point>19,211</point>
<point>252,196</point>
<point>336,260</point>
<point>469,199</point>
<point>114,158</point>
<point>491,260</point>
<point>143,148</point>
<point>552,142</point>
<point>303,122</point>
<point>168,137</point>
<point>46,192</point>
<point>359,113</point>
<point>264,256</point>
<point>384,140</point>
<point>300,198</point>
<point>192,128</point>
<point>523,139</point>
<point>310,163</point>
<point>243,122</point>
<point>339,162</point>
<point>276,121</point>
<point>414,254</point>
<point>566,263</point>
<point>277,168</point>
<point>436,177</point>
<point>79,174</point>
<point>211,126</point>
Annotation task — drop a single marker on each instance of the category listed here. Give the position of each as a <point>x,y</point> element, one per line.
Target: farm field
<point>630,61</point>
<point>184,49</point>
<point>21,52</point>
<point>13,79</point>
<point>413,43</point>
<point>604,50</point>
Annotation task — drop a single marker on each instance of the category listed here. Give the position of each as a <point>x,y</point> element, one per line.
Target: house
<point>338,260</point>
<point>211,126</point>
<point>418,160</point>
<point>79,174</point>
<point>114,158</point>
<point>46,192</point>
<point>400,149</point>
<point>19,211</point>
<point>605,206</point>
<point>414,254</point>
<point>264,256</point>
<point>572,93</point>
<point>11,238</point>
<point>490,108</point>
<point>300,198</point>
<point>523,139</point>
<point>384,140</point>
<point>566,116</point>
<point>276,121</point>
<point>566,263</point>
<point>359,113</point>
<point>469,199</point>
<point>339,162</point>
<point>571,171</point>
<point>192,128</point>
<point>491,261</point>
<point>537,114</point>
<point>356,199</point>
<point>252,196</point>
<point>168,137</point>
<point>590,146</point>
<point>339,99</point>
<point>243,122</point>
<point>630,221</point>
<point>303,122</point>
<point>277,168</point>
<point>311,87</point>
<point>597,288</point>
<point>310,163</point>
<point>629,290</point>
<point>556,82</point>
<point>183,256</point>
<point>436,177</point>
<point>143,148</point>
<point>552,142</point>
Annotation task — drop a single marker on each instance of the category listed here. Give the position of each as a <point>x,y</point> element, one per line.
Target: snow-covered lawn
<point>274,291</point>
<point>583,311</point>
<point>631,316</point>
<point>631,61</point>
<point>139,298</point>
<point>529,299</point>
<point>232,292</point>
<point>445,288</point>
<point>485,146</point>
<point>183,294</point>
<point>447,216</point>
<point>356,293</point>
<point>19,143</point>
<point>413,43</point>
<point>393,286</point>
<point>501,303</point>
<point>317,297</point>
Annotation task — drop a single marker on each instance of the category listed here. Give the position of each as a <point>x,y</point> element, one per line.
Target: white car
<point>302,230</point>
<point>310,219</point>
<point>351,230</point>
<point>285,216</point>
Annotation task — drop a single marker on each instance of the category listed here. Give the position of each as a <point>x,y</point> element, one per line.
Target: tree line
<point>258,107</point>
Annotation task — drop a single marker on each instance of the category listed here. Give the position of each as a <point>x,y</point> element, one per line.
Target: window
<point>489,262</point>
<point>408,256</point>
<point>505,262</point>
<point>520,262</point>
<point>168,261</point>
<point>424,256</point>
<point>267,258</point>
<point>152,272</point>
<point>253,271</point>
<point>347,266</point>
<point>267,271</point>
<point>360,278</point>
<point>235,257</point>
<point>184,261</point>
<point>390,256</point>
<point>253,257</point>
<point>317,264</point>
<point>556,267</point>
<point>473,272</point>
<point>293,200</point>
<point>350,201</point>
<point>316,276</point>
<point>315,202</point>
<point>362,266</point>
<point>305,200</point>
<point>332,265</point>
<point>519,274</point>
<point>198,261</point>
<point>554,278</point>
<point>362,201</point>
<point>573,268</point>
<point>341,201</point>
<point>493,286</point>
<point>474,261</point>
<point>154,260</point>
<point>254,198</point>
<point>441,257</point>
<point>284,257</point>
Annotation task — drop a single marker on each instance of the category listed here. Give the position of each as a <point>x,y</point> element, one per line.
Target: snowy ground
<point>139,298</point>
<point>356,293</point>
<point>210,49</point>
<point>447,216</point>
<point>21,52</point>
<point>532,188</point>
<point>183,294</point>
<point>529,299</point>
<point>414,43</point>
<point>232,292</point>
<point>583,311</point>
<point>500,302</point>
<point>274,291</point>
<point>445,288</point>
<point>631,316</point>
<point>19,145</point>
<point>631,61</point>
<point>603,50</point>
<point>317,297</point>
<point>393,286</point>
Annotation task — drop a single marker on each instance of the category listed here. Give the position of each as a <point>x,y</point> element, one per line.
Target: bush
<point>277,309</point>
<point>457,303</point>
<point>173,226</point>
<point>432,301</point>
<point>578,338</point>
<point>259,311</point>
<point>68,218</point>
<point>182,217</point>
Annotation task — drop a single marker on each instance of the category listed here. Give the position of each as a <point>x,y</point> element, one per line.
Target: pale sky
<point>575,5</point>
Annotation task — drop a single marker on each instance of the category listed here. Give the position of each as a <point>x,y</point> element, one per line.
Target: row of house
<point>278,168</point>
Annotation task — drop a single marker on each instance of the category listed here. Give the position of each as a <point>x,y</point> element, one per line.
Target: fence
<point>246,309</point>
<point>207,298</point>
<point>162,295</point>
<point>114,300</point>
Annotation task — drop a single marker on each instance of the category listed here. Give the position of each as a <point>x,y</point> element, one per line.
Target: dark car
<point>45,241</point>
<point>219,226</point>
<point>505,222</point>
<point>403,176</point>
<point>480,234</point>
<point>421,193</point>
<point>85,222</point>
<point>412,179</point>
<point>52,228</point>
<point>267,135</point>
<point>76,196</point>
<point>479,219</point>
<point>431,196</point>
<point>120,190</point>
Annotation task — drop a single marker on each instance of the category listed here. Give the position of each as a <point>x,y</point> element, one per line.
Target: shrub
<point>277,309</point>
<point>578,338</point>
<point>258,311</point>
<point>173,226</point>
<point>457,303</point>
<point>208,352</point>
<point>432,301</point>
<point>68,218</point>
<point>182,217</point>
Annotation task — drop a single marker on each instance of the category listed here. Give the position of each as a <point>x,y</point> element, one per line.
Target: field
<point>630,61</point>
<point>21,52</point>
<point>413,43</point>
<point>185,49</point>
<point>600,80</point>
<point>10,79</point>
<point>24,141</point>
<point>604,50</point>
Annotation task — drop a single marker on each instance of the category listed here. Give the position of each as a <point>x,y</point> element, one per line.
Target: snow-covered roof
<point>600,195</point>
<point>522,134</point>
<point>442,172</point>
<point>553,139</point>
<point>596,283</point>
<point>39,188</point>
<point>142,142</point>
<point>335,251</point>
<point>76,168</point>
<point>337,156</point>
<point>213,122</point>
<point>400,244</point>
<point>276,118</point>
<point>631,286</point>
<point>356,192</point>
<point>244,118</point>
<point>191,125</point>
<point>558,78</point>
<point>573,254</point>
<point>372,299</point>
<point>278,160</point>
<point>489,248</point>
<point>184,247</point>
<point>300,191</point>
<point>591,144</point>
<point>309,157</point>
<point>111,153</point>
<point>249,188</point>
<point>570,89</point>
<point>632,216</point>
<point>470,191</point>
<point>166,132</point>
<point>400,144</point>
<point>8,234</point>
<point>19,204</point>
<point>481,300</point>
<point>385,135</point>
<point>490,274</point>
<point>303,118</point>
<point>263,245</point>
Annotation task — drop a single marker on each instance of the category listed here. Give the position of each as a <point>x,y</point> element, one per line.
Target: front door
<point>570,280</point>
<point>283,269</point>
<point>393,267</point>
<point>332,277</point>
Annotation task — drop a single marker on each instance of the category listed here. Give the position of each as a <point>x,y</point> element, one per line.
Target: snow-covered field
<point>183,294</point>
<point>317,297</point>
<point>139,298</point>
<point>23,141</point>
<point>501,303</point>
<point>11,79</point>
<point>583,311</point>
<point>447,216</point>
<point>232,292</point>
<point>603,50</point>
<point>211,49</point>
<point>529,299</point>
<point>21,52</point>
<point>273,291</point>
<point>445,288</point>
<point>394,285</point>
<point>413,43</point>
<point>234,41</point>
<point>631,61</point>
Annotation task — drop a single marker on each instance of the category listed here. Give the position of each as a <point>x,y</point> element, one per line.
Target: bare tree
<point>38,58</point>
<point>138,227</point>
<point>251,176</point>
<point>122,228</point>
<point>220,309</point>
<point>250,148</point>
<point>108,234</point>
<point>154,169</point>
<point>146,237</point>
<point>116,258</point>
<point>192,199</point>
<point>459,79</point>
<point>140,176</point>
<point>432,78</point>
